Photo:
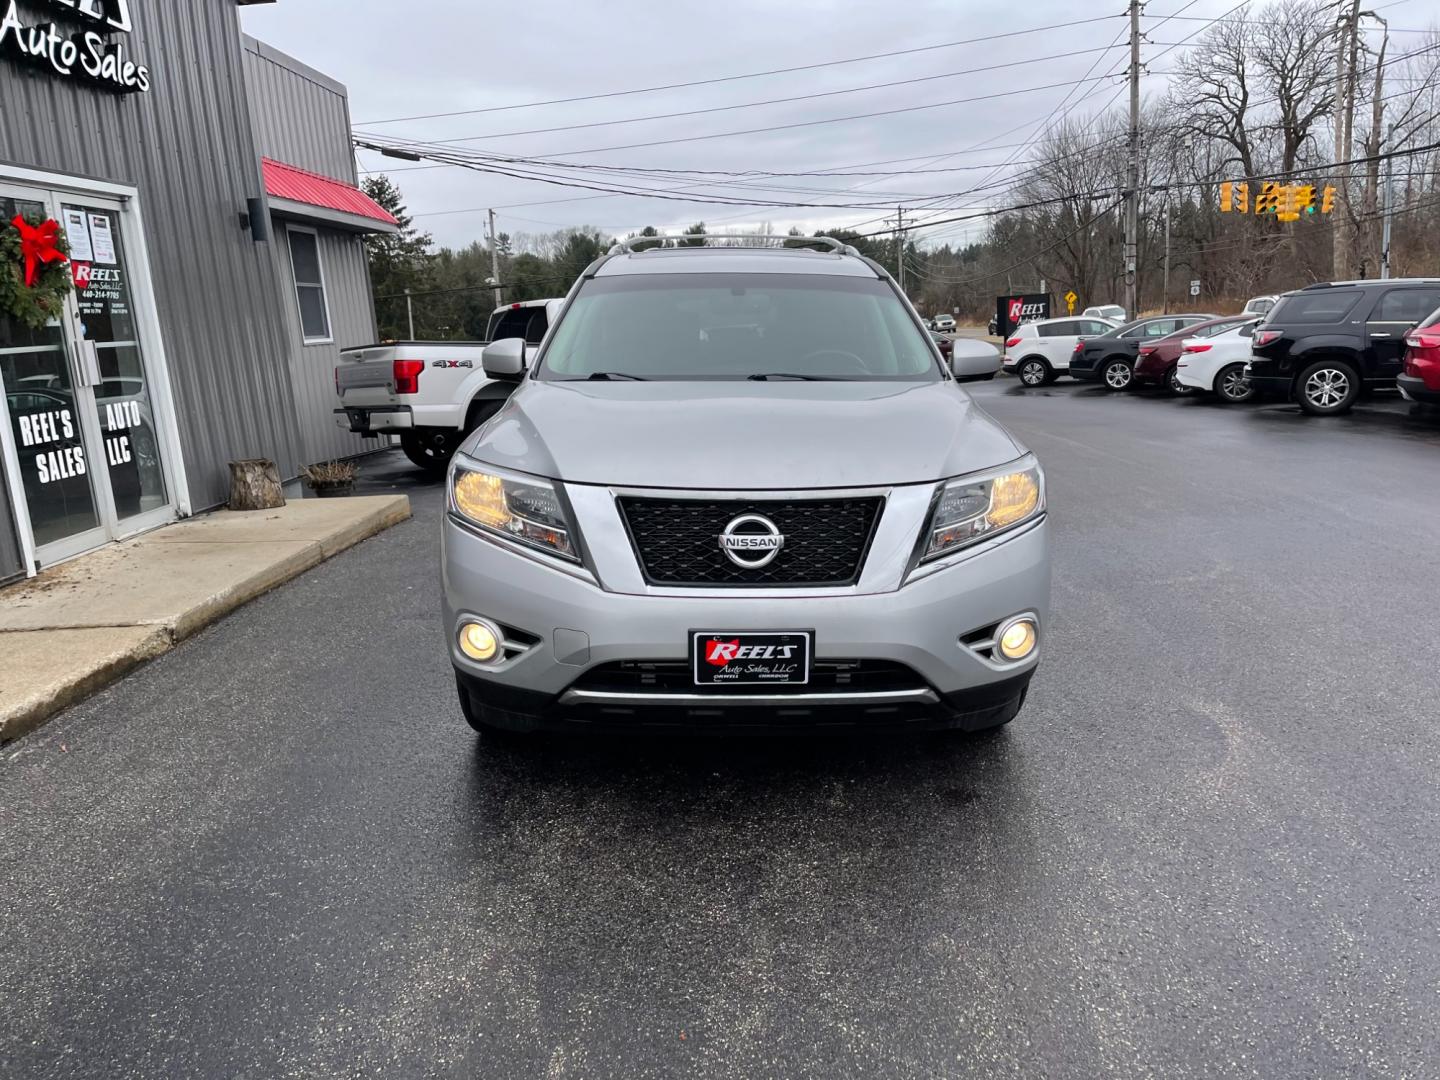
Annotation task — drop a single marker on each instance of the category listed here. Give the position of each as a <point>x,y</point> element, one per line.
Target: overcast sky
<point>402,59</point>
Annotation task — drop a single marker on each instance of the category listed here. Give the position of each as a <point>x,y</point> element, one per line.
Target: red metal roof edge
<point>286,181</point>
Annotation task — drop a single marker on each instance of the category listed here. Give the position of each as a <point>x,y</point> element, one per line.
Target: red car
<point>1156,364</point>
<point>1421,378</point>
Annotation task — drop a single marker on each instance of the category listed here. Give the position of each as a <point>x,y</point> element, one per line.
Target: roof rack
<point>628,246</point>
<point>1369,281</point>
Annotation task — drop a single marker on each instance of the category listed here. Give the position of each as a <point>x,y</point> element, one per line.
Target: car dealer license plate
<point>726,659</point>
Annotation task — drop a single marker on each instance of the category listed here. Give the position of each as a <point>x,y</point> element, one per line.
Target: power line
<point>769,101</point>
<point>1103,110</point>
<point>373,143</point>
<point>750,178</point>
<point>1309,171</point>
<point>1043,127</point>
<point>1269,101</point>
<point>749,75</point>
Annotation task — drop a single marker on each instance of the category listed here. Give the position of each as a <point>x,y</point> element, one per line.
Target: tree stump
<point>255,485</point>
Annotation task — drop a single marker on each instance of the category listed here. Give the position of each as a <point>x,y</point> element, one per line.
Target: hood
<point>743,435</point>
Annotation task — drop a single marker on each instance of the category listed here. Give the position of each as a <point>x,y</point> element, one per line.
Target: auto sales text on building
<point>82,54</point>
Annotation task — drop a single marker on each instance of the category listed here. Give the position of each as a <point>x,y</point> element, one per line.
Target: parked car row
<point>1322,346</point>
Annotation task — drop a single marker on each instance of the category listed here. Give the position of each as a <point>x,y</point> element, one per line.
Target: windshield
<point>738,326</point>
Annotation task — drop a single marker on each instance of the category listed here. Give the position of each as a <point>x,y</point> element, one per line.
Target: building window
<point>309,284</point>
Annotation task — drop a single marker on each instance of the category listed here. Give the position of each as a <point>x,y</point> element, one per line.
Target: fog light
<point>479,642</point>
<point>1018,640</point>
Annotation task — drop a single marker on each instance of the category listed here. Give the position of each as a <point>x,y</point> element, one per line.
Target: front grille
<point>678,540</point>
<point>675,677</point>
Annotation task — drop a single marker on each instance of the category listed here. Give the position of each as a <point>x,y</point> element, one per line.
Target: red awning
<point>300,186</point>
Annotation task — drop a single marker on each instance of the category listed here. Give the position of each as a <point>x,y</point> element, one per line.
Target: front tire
<point>1327,388</point>
<point>1231,386</point>
<point>1172,381</point>
<point>1118,375</point>
<point>1035,371</point>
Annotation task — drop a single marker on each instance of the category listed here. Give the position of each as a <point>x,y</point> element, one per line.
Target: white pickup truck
<point>432,393</point>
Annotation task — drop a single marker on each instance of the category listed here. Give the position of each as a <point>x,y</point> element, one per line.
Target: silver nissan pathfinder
<point>736,488</point>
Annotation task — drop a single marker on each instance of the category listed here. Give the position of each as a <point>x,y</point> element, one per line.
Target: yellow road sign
<point>1070,299</point>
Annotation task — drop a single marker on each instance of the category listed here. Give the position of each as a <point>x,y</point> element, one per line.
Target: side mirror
<point>504,359</point>
<point>971,360</point>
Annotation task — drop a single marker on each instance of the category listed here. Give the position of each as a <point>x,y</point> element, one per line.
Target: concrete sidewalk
<point>83,624</point>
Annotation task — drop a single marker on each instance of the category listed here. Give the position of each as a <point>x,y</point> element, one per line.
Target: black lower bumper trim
<point>1416,390</point>
<point>976,709</point>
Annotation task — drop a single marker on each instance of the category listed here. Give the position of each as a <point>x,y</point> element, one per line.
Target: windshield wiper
<point>605,376</point>
<point>763,376</point>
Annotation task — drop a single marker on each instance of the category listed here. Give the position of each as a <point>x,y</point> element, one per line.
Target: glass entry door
<point>108,341</point>
<point>78,403</point>
<point>47,406</point>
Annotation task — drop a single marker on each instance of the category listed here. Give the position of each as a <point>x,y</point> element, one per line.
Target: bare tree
<point>1213,97</point>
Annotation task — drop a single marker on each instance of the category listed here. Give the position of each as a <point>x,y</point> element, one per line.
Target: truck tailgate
<point>367,376</point>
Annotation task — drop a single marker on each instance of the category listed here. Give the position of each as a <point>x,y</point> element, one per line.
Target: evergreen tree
<point>398,261</point>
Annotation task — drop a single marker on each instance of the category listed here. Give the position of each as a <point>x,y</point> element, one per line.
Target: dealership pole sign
<point>1011,311</point>
<point>84,48</point>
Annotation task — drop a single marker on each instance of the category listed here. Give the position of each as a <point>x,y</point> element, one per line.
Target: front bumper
<point>1413,388</point>
<point>566,625</point>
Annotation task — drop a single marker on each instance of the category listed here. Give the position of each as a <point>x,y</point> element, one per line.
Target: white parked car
<point>945,323</point>
<point>1260,305</point>
<point>1216,365</point>
<point>1039,352</point>
<point>1113,312</point>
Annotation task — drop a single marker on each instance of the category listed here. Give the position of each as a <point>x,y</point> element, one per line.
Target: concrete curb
<point>50,664</point>
<point>102,655</point>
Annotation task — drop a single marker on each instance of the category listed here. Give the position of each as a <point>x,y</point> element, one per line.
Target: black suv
<point>1324,345</point>
<point>1110,360</point>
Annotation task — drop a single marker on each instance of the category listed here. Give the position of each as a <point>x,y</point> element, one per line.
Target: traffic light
<point>1286,199</point>
<point>1226,197</point>
<point>1268,201</point>
<point>1242,197</point>
<point>1327,200</point>
<point>1304,199</point>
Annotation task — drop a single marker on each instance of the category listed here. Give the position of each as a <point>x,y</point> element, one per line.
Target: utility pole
<point>1132,194</point>
<point>1347,34</point>
<point>900,247</point>
<point>1165,309</point>
<point>495,261</point>
<point>1389,209</point>
<point>410,312</point>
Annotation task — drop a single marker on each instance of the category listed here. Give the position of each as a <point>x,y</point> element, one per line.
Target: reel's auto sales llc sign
<point>83,48</point>
<point>1011,311</point>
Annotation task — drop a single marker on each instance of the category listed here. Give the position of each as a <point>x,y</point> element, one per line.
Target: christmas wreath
<point>34,270</point>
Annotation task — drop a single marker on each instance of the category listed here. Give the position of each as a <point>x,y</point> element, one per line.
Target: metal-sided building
<point>207,193</point>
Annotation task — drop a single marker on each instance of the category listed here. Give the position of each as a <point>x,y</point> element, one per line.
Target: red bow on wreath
<point>37,246</point>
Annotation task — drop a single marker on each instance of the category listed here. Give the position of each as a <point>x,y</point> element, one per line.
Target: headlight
<point>973,508</point>
<point>522,509</point>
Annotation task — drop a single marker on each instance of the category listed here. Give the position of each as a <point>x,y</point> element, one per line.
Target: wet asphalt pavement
<point>1207,847</point>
